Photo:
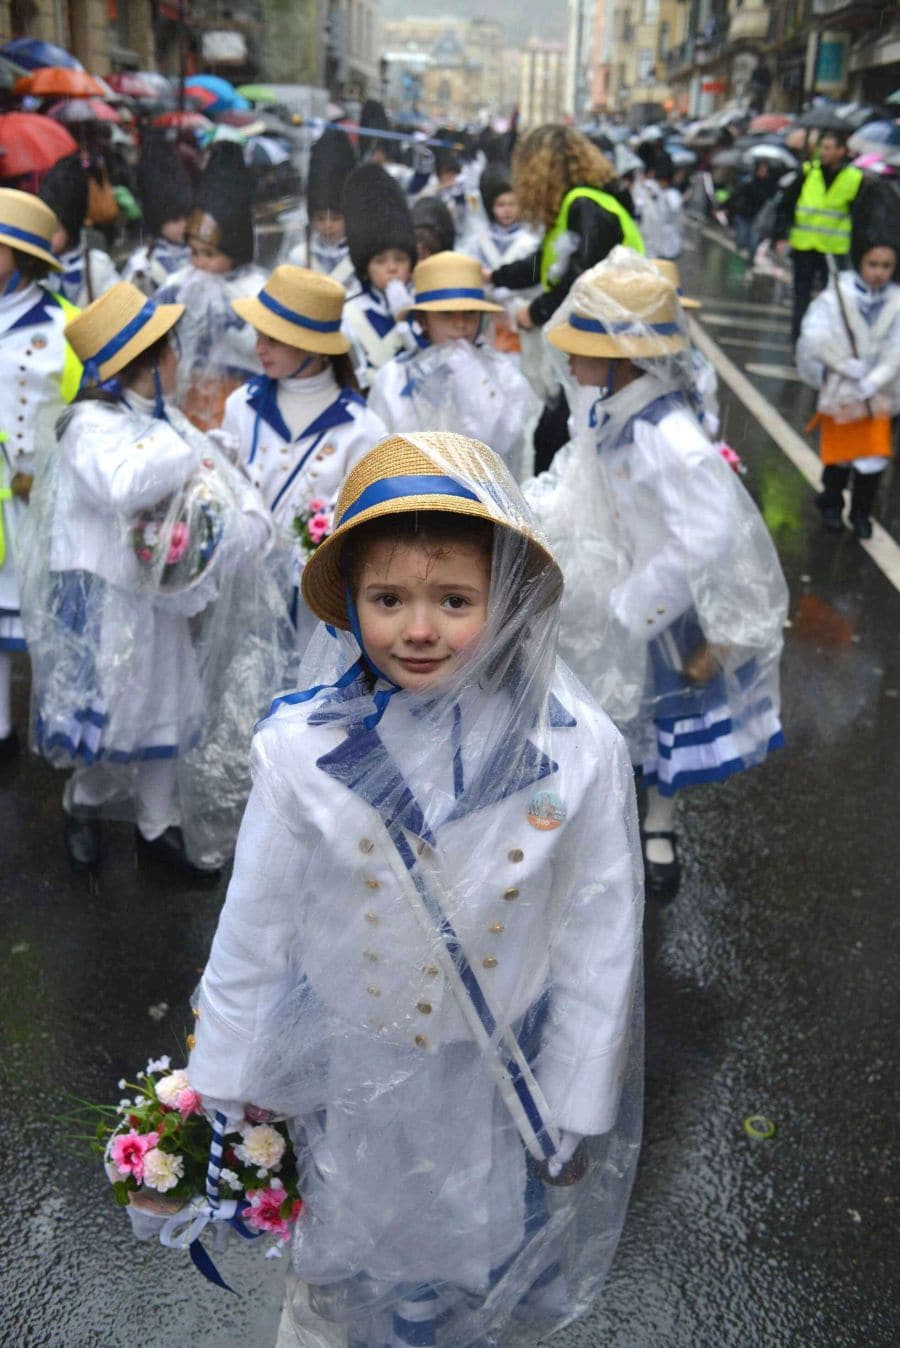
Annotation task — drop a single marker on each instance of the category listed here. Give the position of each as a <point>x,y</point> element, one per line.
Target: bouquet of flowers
<point>176,540</point>
<point>157,1145</point>
<point>312,526</point>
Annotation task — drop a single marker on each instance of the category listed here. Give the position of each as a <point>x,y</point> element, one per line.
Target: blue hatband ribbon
<point>451,293</point>
<point>634,328</point>
<point>25,236</point>
<point>413,484</point>
<point>121,339</point>
<point>292,316</point>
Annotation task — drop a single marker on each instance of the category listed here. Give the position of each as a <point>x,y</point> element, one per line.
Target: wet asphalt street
<point>771,989</point>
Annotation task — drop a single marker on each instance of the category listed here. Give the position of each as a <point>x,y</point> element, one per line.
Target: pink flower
<point>178,544</point>
<point>189,1103</point>
<point>319,527</point>
<point>316,507</point>
<point>128,1151</point>
<point>265,1211</point>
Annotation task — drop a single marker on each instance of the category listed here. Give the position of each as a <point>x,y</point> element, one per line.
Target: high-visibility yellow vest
<point>72,367</point>
<point>822,214</point>
<point>630,233</point>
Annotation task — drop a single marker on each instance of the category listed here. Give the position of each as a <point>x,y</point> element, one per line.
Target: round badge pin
<point>546,810</point>
<point>39,342</point>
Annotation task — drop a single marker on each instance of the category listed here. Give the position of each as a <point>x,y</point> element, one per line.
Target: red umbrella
<point>185,121</point>
<point>83,110</point>
<point>141,84</point>
<point>30,143</point>
<point>200,97</point>
<point>767,122</point>
<point>60,82</point>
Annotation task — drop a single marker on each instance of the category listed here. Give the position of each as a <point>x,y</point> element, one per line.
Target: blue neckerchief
<point>263,398</point>
<point>503,235</point>
<point>653,413</point>
<point>381,319</point>
<point>40,312</point>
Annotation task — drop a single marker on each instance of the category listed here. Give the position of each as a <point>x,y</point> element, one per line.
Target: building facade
<point>542,82</point>
<point>105,35</point>
<point>447,69</point>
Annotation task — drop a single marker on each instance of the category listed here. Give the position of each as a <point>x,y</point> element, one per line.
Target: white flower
<point>273,1252</point>
<point>123,1085</point>
<point>230,1178</point>
<point>263,1146</point>
<point>159,1064</point>
<point>276,1183</point>
<point>162,1171</point>
<point>262,1174</point>
<point>169,1089</point>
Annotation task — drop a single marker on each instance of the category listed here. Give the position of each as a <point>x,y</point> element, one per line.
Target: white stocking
<point>660,818</point>
<point>155,803</point>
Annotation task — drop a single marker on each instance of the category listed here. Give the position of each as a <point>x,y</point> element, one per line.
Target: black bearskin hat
<point>494,181</point>
<point>876,221</point>
<point>447,157</point>
<point>163,183</point>
<point>376,217</point>
<point>434,225</point>
<point>223,205</point>
<point>373,116</point>
<point>65,190</point>
<point>331,161</point>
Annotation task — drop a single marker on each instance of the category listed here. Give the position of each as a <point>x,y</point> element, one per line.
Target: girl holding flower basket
<point>299,427</point>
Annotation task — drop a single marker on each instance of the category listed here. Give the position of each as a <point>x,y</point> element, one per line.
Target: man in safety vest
<point>815,219</point>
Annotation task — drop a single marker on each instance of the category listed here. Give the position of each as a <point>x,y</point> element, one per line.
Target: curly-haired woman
<point>565,186</point>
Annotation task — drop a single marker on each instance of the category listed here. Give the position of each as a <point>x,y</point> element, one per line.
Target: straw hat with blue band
<point>622,308</point>
<point>299,307</point>
<point>116,328</point>
<point>398,477</point>
<point>28,225</point>
<point>448,283</point>
<point>670,271</point>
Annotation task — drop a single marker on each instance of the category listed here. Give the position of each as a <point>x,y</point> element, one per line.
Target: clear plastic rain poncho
<point>458,386</point>
<point>675,601</point>
<point>154,627</point>
<point>216,348</point>
<point>428,960</point>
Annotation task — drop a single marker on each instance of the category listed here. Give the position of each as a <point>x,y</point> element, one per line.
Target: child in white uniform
<point>131,652</point>
<point>84,273</point>
<point>165,191</point>
<point>216,347</point>
<point>39,374</point>
<point>301,425</point>
<point>318,239</point>
<point>677,600</point>
<point>849,349</point>
<point>455,381</point>
<point>382,242</point>
<point>427,958</point>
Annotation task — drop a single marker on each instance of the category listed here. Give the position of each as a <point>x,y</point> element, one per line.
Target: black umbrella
<point>822,117</point>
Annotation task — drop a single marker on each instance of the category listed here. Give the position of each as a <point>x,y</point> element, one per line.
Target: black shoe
<point>832,513</point>
<point>9,747</point>
<point>860,524</point>
<point>662,879</point>
<point>169,847</point>
<point>82,840</point>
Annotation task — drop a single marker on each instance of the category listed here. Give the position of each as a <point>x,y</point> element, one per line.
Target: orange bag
<point>102,209</point>
<point>842,441</point>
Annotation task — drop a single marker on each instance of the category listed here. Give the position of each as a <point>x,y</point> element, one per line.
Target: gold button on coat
<point>510,894</point>
<point>366,845</point>
<point>489,962</point>
<point>424,1007</point>
<point>517,855</point>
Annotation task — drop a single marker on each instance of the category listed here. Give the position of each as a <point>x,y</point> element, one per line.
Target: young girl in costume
<point>318,241</point>
<point>849,349</point>
<point>300,425</point>
<point>166,198</point>
<point>84,273</point>
<point>152,623</point>
<point>675,597</point>
<point>382,242</point>
<point>216,347</point>
<point>428,956</point>
<point>456,381</point>
<point>39,374</point>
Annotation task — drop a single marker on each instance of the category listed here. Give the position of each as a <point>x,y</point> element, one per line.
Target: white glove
<point>568,1145</point>
<point>398,296</point>
<point>867,389</point>
<point>853,368</point>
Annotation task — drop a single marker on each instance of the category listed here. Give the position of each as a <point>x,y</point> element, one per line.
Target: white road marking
<point>885,553</point>
<point>754,324</point>
<point>746,343</point>
<point>787,372</point>
<point>751,306</point>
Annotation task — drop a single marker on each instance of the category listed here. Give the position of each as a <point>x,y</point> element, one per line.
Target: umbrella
<point>257,93</point>
<point>266,152</point>
<point>894,97</point>
<point>680,156</point>
<point>30,143</point>
<point>32,53</point>
<point>225,96</point>
<point>769,121</point>
<point>145,86</point>
<point>60,82</point>
<point>727,159</point>
<point>779,154</point>
<point>10,72</point>
<point>822,117</point>
<point>83,110</point>
<point>184,121</point>
<point>874,134</point>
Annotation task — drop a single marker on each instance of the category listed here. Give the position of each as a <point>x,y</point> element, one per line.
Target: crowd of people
<point>438,503</point>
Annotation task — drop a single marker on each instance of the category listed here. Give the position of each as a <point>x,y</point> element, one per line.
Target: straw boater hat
<point>116,328</point>
<point>392,479</point>
<point>670,271</point>
<point>620,311</point>
<point>299,307</point>
<point>448,283</point>
<point>27,225</point>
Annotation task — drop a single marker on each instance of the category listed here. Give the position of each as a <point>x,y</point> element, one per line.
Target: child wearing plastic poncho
<point>849,349</point>
<point>675,599</point>
<point>428,956</point>
<point>456,382</point>
<point>216,348</point>
<point>301,425</point>
<point>154,631</point>
<point>39,374</point>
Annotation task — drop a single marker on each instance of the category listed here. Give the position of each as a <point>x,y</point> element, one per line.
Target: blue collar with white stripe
<point>41,311</point>
<point>263,398</point>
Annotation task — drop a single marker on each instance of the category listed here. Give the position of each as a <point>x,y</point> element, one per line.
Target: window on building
<point>645,63</point>
<point>651,10</point>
